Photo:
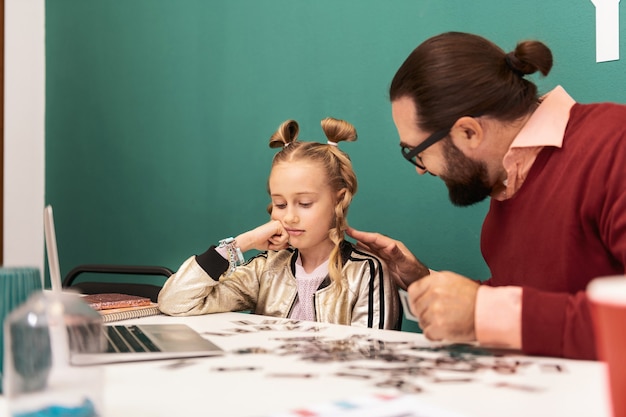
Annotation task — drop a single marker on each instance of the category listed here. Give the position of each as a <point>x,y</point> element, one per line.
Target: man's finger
<point>372,239</point>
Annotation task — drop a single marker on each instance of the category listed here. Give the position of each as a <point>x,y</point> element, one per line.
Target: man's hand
<point>445,302</point>
<point>269,236</point>
<point>404,267</point>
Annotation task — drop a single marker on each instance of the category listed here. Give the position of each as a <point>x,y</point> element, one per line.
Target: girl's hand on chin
<point>269,236</point>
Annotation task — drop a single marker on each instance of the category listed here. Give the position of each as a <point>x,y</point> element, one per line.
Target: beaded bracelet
<point>235,257</point>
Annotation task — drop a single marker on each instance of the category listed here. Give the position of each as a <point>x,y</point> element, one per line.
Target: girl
<point>307,270</point>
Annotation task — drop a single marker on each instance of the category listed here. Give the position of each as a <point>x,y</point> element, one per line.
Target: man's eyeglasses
<point>412,155</point>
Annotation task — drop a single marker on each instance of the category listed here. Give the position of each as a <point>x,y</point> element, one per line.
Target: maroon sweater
<point>565,226</point>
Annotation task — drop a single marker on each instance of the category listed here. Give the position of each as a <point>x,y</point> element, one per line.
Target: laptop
<point>130,343</point>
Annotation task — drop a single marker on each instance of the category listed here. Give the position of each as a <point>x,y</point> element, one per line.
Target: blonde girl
<point>306,270</point>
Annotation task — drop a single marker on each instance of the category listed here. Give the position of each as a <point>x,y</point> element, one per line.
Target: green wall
<point>158,114</point>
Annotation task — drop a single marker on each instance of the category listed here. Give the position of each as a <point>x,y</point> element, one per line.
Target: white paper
<point>404,298</point>
<point>607,30</point>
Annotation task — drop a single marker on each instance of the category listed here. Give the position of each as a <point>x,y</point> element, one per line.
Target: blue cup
<point>16,285</point>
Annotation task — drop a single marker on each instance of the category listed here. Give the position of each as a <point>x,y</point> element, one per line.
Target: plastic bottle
<point>40,337</point>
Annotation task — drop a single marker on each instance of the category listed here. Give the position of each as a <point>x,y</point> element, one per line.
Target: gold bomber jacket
<point>266,285</point>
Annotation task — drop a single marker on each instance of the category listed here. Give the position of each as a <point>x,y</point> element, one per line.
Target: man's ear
<point>467,134</point>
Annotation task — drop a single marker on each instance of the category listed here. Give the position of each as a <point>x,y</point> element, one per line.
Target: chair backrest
<point>148,287</point>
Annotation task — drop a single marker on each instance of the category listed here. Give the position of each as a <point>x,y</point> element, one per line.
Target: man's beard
<point>466,179</point>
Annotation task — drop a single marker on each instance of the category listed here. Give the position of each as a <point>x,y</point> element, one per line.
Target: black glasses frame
<point>412,155</point>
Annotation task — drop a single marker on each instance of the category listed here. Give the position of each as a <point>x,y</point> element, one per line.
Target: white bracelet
<point>235,257</point>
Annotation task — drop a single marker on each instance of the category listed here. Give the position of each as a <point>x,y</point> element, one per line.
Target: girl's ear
<point>467,134</point>
<point>340,194</point>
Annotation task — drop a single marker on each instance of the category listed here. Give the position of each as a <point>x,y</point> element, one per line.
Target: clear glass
<point>40,337</point>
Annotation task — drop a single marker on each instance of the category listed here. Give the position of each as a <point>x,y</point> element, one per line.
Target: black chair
<point>146,288</point>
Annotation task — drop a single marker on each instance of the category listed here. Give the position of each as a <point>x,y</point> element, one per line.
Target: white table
<point>245,382</point>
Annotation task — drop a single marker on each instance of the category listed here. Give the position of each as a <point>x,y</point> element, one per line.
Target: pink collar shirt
<point>546,127</point>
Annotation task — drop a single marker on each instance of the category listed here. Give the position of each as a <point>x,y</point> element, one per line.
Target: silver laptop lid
<point>51,249</point>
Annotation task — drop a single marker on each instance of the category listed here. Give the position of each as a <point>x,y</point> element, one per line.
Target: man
<point>556,174</point>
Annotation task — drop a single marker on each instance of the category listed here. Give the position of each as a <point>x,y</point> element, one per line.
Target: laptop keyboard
<point>128,339</point>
